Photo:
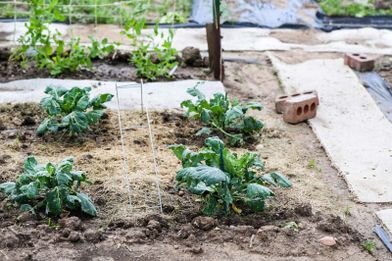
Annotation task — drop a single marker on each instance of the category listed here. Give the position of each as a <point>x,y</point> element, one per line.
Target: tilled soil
<point>319,201</point>
<point>114,68</point>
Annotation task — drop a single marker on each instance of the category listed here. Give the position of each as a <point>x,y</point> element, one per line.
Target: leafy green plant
<point>48,50</point>
<point>223,115</point>
<point>224,180</point>
<point>352,8</point>
<point>71,110</point>
<point>369,246</point>
<point>51,188</point>
<point>153,55</point>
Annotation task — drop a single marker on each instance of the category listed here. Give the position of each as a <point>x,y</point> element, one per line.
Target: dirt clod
<point>153,224</point>
<point>190,55</point>
<point>92,235</point>
<point>71,223</point>
<point>9,239</point>
<point>204,223</point>
<point>304,210</point>
<point>74,236</point>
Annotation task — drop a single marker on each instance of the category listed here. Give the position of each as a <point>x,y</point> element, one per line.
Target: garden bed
<point>181,232</point>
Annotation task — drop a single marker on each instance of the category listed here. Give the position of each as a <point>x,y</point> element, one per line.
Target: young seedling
<point>369,246</point>
<point>71,110</point>
<point>51,188</point>
<point>292,225</point>
<point>225,181</point>
<point>223,115</point>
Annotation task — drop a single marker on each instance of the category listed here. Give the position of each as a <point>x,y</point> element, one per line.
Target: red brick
<point>298,107</point>
<point>359,62</point>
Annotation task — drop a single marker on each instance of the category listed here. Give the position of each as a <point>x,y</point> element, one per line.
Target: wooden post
<point>214,43</point>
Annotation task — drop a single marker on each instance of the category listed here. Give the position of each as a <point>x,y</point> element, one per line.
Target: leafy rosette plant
<point>71,110</point>
<point>223,115</point>
<point>225,180</point>
<point>50,188</point>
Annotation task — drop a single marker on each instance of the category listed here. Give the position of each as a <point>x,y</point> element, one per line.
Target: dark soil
<point>115,68</point>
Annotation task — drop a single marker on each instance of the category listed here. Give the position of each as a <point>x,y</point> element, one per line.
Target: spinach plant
<point>224,180</point>
<point>51,188</point>
<point>223,115</point>
<point>71,110</point>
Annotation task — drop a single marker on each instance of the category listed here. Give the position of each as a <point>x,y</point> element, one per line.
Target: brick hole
<point>295,94</point>
<point>283,97</point>
<point>362,57</point>
<point>355,54</point>
<point>313,106</point>
<point>306,108</point>
<point>299,111</point>
<point>310,92</point>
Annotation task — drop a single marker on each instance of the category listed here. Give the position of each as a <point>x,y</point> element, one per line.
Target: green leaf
<point>205,131</point>
<point>277,179</point>
<point>53,202</point>
<point>86,204</point>
<point>208,175</point>
<point>7,188</point>
<point>30,165</point>
<point>256,196</point>
<point>195,92</point>
<point>30,190</point>
<point>94,116</point>
<point>83,103</point>
<point>26,208</point>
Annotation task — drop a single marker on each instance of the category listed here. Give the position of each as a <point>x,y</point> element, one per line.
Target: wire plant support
<point>152,199</point>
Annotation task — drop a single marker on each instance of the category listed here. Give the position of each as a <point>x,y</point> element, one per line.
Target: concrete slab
<point>367,40</point>
<point>158,95</point>
<point>351,127</point>
<point>385,217</point>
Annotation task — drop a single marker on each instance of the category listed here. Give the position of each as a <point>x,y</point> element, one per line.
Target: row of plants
<point>107,12</point>
<point>356,8</point>
<point>152,55</point>
<point>226,181</point>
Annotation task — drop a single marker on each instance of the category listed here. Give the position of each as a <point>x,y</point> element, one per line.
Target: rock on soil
<point>93,236</point>
<point>304,210</point>
<point>192,57</point>
<point>328,241</point>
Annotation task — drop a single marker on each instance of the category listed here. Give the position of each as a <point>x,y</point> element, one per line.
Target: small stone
<point>181,193</point>
<point>196,250</point>
<point>74,236</point>
<point>328,241</point>
<point>10,134</point>
<point>268,228</point>
<point>204,223</point>
<point>17,121</point>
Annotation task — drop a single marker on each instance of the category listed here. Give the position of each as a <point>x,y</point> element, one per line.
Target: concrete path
<point>351,127</point>
<point>365,40</point>
<point>159,95</point>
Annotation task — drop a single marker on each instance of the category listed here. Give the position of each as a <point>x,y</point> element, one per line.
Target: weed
<point>352,8</point>
<point>369,246</point>
<point>292,225</point>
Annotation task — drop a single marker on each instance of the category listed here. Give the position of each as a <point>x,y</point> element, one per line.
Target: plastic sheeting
<point>379,90</point>
<point>264,13</point>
